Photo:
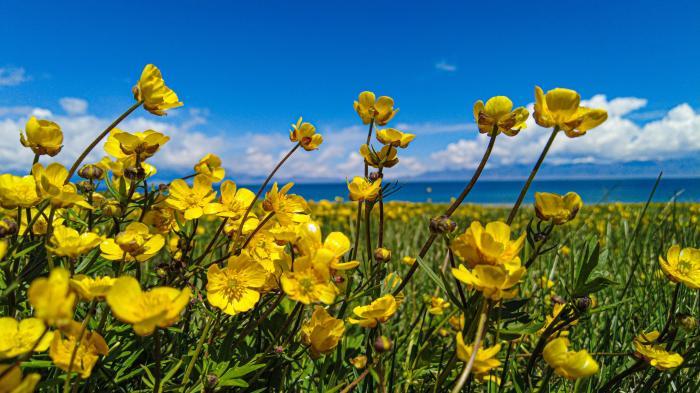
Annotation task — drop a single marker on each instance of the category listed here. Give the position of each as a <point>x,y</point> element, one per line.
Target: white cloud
<point>11,76</point>
<point>445,66</point>
<point>73,106</point>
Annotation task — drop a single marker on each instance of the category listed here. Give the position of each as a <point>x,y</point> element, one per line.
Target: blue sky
<point>246,70</point>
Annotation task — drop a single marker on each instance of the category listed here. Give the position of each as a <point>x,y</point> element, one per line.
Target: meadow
<point>113,283</point>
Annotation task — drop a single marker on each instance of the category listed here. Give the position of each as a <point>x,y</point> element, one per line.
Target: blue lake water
<point>506,191</point>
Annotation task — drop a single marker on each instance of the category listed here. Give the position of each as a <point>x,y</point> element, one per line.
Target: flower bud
<point>8,227</point>
<point>91,172</point>
<point>359,362</point>
<point>442,224</point>
<point>338,279</point>
<point>134,173</point>
<point>112,209</point>
<point>375,175</point>
<point>583,303</point>
<point>85,187</point>
<point>382,255</point>
<point>687,321</point>
<point>383,344</point>
<point>279,349</point>
<point>212,380</point>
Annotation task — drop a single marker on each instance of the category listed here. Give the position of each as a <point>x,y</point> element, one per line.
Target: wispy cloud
<point>445,66</point>
<point>73,106</point>
<point>11,76</point>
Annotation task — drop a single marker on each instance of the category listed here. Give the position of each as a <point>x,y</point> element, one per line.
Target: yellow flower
<point>135,243</point>
<point>288,208</point>
<point>90,288</point>
<point>379,311</point>
<point>307,284</point>
<point>494,282</point>
<point>560,108</point>
<point>394,137</point>
<point>210,166</point>
<point>233,202</point>
<point>322,332</point>
<point>682,266</point>
<point>380,110</point>
<point>67,242</point>
<point>128,146</point>
<point>14,382</point>
<point>646,348</point>
<point>498,115</point>
<point>362,189</point>
<point>191,201</point>
<point>91,346</point>
<point>326,255</point>
<point>52,298</point>
<point>557,208</point>
<point>359,361</point>
<point>568,364</point>
<point>485,359</point>
<point>305,134</point>
<point>20,337</point>
<point>42,136</point>
<point>159,307</point>
<point>438,305</point>
<point>156,96</point>
<point>234,289</point>
<point>490,245</point>
<point>408,260</point>
<point>52,184</point>
<point>385,158</point>
<point>18,191</point>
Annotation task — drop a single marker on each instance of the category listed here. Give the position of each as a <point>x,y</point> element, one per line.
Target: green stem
<point>198,349</point>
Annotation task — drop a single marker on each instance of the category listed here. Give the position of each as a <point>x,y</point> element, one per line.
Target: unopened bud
<point>442,224</point>
<point>85,187</point>
<point>383,344</point>
<point>267,205</point>
<point>583,303</point>
<point>212,380</point>
<point>8,227</point>
<point>279,349</point>
<point>359,362</point>
<point>382,255</point>
<point>91,172</point>
<point>134,173</point>
<point>687,321</point>
<point>112,209</point>
<point>338,279</point>
<point>373,176</point>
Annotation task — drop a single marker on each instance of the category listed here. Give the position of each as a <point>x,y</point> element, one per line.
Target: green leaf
<point>593,286</point>
<point>431,274</point>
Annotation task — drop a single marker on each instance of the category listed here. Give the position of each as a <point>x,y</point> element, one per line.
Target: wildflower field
<point>111,281</point>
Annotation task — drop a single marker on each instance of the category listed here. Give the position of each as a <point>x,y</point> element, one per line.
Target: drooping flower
<point>485,359</point>
<point>498,115</point>
<point>322,332</point>
<point>235,288</point>
<point>378,311</point>
<point>210,166</point>
<point>305,134</point>
<point>561,108</point>
<point>67,242</point>
<point>134,243</point>
<point>369,108</point>
<point>52,184</point>
<point>146,310</point>
<point>14,382</point>
<point>288,208</point>
<point>91,346</point>
<point>490,245</point>
<point>20,337</point>
<point>557,208</point>
<point>18,191</point>
<point>384,158</point>
<point>156,96</point>
<point>647,349</point>
<point>52,298</point>
<point>495,282</point>
<point>127,146</point>
<point>569,364</point>
<point>394,137</point>
<point>362,189</point>
<point>682,266</point>
<point>89,288</point>
<point>191,201</point>
<point>44,137</point>
<point>233,202</point>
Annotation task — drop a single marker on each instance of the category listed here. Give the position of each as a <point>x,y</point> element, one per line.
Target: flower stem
<point>198,349</point>
<point>156,355</point>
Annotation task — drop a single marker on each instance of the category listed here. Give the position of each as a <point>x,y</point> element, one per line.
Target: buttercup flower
<point>288,208</point>
<point>646,348</point>
<point>91,346</point>
<point>362,189</point>
<point>191,201</point>
<point>494,282</point>
<point>359,361</point>
<point>52,298</point>
<point>568,364</point>
<point>437,305</point>
<point>67,242</point>
<point>394,137</point>
<point>127,145</point>
<point>560,108</point>
<point>44,137</point>
<point>233,202</point>
<point>485,359</point>
<point>156,96</point>
<point>135,243</point>
<point>384,158</point>
<point>234,289</point>
<point>52,185</point>
<point>379,311</point>
<point>408,260</point>
<point>322,332</point>
<point>369,108</point>
<point>89,288</point>
<point>18,191</point>
<point>307,284</point>
<point>210,166</point>
<point>14,382</point>
<point>490,245</point>
<point>682,266</point>
<point>305,134</point>
<point>19,337</point>
<point>556,208</point>
<point>158,307</point>
<point>498,115</point>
